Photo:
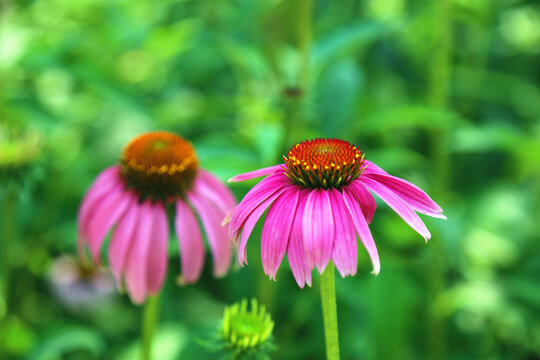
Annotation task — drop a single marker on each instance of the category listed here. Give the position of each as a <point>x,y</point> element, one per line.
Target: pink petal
<point>250,222</point>
<point>364,198</point>
<point>398,205</point>
<point>107,213</point>
<point>318,229</point>
<point>121,241</point>
<point>371,168</point>
<point>208,186</point>
<point>258,194</point>
<point>257,173</point>
<point>296,253</point>
<point>276,230</point>
<point>345,254</point>
<point>106,182</point>
<point>137,265</point>
<point>218,239</point>
<point>190,242</point>
<point>362,228</point>
<point>157,252</point>
<point>415,197</point>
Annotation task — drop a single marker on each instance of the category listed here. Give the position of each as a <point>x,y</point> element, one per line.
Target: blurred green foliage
<point>443,93</point>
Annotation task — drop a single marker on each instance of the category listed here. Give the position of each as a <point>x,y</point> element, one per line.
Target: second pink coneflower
<point>157,170</point>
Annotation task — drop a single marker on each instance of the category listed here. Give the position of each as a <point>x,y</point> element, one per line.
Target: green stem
<point>151,316</point>
<point>5,241</point>
<point>304,38</point>
<point>329,309</point>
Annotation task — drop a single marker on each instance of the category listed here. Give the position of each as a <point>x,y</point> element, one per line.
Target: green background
<point>443,93</point>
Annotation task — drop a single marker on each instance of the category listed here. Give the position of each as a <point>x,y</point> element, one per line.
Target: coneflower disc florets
<point>159,165</point>
<point>324,163</point>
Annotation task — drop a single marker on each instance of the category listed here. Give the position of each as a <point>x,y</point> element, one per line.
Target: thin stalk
<point>294,94</point>
<point>329,310</point>
<point>8,232</point>
<point>151,317</point>
<point>304,24</point>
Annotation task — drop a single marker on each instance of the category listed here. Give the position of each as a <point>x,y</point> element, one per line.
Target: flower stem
<point>329,309</point>
<point>304,23</point>
<point>5,241</point>
<point>151,315</point>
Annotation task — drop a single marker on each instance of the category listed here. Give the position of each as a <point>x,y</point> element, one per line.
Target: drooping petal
<point>257,173</point>
<point>157,251</point>
<point>398,205</point>
<point>345,253</point>
<point>362,228</point>
<point>364,198</point>
<point>318,229</point>
<point>257,195</point>
<point>218,239</point>
<point>208,186</point>
<point>190,242</point>
<point>415,197</point>
<point>105,183</point>
<point>296,253</point>
<point>137,264</point>
<point>372,168</point>
<point>107,213</point>
<point>276,230</point>
<point>250,222</point>
<point>121,241</point>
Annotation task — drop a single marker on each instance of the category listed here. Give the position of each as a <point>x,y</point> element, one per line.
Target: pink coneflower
<point>319,202</point>
<point>157,169</point>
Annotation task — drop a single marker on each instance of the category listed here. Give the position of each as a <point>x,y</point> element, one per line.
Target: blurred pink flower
<point>156,169</point>
<point>80,288</point>
<point>319,202</point>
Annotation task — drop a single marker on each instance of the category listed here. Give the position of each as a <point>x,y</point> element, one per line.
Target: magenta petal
<point>190,242</point>
<point>121,242</point>
<point>296,253</point>
<point>107,213</point>
<point>398,205</point>
<point>137,265</point>
<point>257,173</point>
<point>364,198</point>
<point>415,197</point>
<point>106,182</point>
<point>276,230</point>
<point>250,222</point>
<point>371,168</point>
<point>318,229</point>
<point>362,228</point>
<point>157,251</point>
<point>218,239</point>
<point>345,254</point>
<point>258,194</point>
<point>208,186</point>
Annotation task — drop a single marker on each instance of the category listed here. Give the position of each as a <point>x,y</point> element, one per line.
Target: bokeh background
<point>443,93</point>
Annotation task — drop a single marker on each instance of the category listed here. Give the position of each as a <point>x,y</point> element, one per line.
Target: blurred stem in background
<point>305,9</point>
<point>438,97</point>
<point>151,317</point>
<point>8,232</point>
<point>294,94</point>
<point>329,310</point>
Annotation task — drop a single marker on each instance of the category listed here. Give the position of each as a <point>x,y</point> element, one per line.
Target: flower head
<point>244,330</point>
<point>157,169</point>
<point>78,287</point>
<point>18,151</point>
<point>319,201</point>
